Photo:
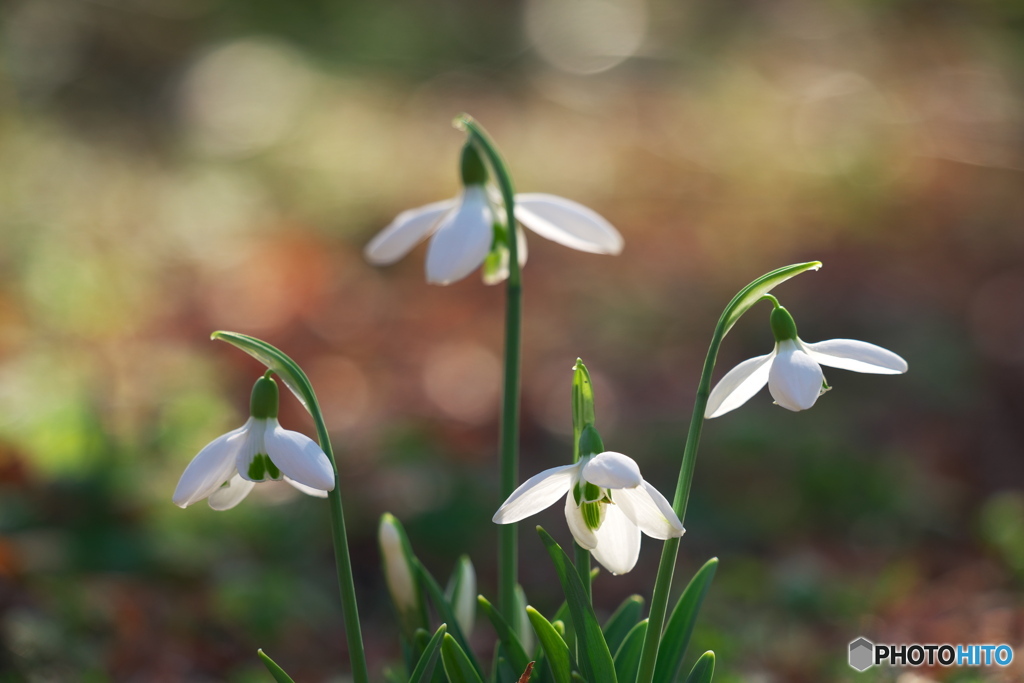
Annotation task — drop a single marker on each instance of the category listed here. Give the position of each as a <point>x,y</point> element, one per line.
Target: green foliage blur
<point>171,167</point>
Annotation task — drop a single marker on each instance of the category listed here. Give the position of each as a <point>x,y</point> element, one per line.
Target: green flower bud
<point>472,167</point>
<point>783,325</point>
<point>400,576</point>
<point>263,401</point>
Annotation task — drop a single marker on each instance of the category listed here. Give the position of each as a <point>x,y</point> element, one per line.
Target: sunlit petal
<point>298,457</point>
<point>850,354</point>
<point>407,230</point>
<point>649,510</point>
<point>618,542</point>
<point>795,378</point>
<point>611,470</point>
<point>210,468</point>
<point>463,239</point>
<point>739,385</point>
<point>583,534</point>
<point>308,490</point>
<point>227,497</point>
<point>536,493</point>
<point>568,223</point>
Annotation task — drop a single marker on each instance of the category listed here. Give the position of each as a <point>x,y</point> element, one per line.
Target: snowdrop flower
<point>464,234</point>
<point>793,370</point>
<point>226,470</point>
<point>607,506</point>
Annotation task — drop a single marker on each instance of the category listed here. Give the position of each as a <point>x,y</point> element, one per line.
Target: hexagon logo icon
<point>862,654</point>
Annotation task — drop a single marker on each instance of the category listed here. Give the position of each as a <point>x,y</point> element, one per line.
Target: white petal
<point>568,223</point>
<point>649,510</point>
<point>227,497</point>
<point>251,447</point>
<point>795,378</point>
<point>298,457</point>
<point>618,542</point>
<point>739,385</point>
<point>463,239</point>
<point>308,490</point>
<point>583,534</point>
<point>611,470</point>
<point>850,354</point>
<point>407,230</point>
<point>210,468</point>
<point>536,493</point>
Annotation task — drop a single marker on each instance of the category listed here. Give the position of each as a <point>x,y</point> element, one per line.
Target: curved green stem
<point>739,305</point>
<point>509,440</point>
<point>297,381</point>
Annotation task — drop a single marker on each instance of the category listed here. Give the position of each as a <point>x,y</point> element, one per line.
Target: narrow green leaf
<point>447,614</point>
<point>461,593</point>
<point>627,659</point>
<point>277,672</point>
<point>555,649</point>
<point>517,656</point>
<point>275,359</point>
<point>703,670</point>
<point>457,665</point>
<point>752,293</point>
<point>594,656</point>
<point>522,624</point>
<point>425,667</point>
<point>622,621</point>
<point>680,625</point>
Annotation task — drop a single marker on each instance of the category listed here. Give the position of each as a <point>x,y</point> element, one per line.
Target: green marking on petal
<point>272,470</point>
<point>257,468</point>
<point>592,514</point>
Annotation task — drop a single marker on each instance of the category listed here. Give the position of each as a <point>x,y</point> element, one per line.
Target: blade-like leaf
<point>447,614</point>
<point>752,293</point>
<point>555,649</point>
<point>522,626</point>
<point>517,656</point>
<point>277,672</point>
<point>457,665</point>
<point>594,656</point>
<point>680,624</point>
<point>425,667</point>
<point>275,359</point>
<point>627,659</point>
<point>622,621</point>
<point>703,670</point>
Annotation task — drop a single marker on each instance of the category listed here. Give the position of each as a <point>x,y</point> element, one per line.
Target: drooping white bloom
<point>607,506</point>
<point>462,230</point>
<point>228,467</point>
<point>792,370</point>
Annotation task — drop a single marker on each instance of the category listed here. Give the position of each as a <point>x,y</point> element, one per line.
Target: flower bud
<point>399,572</point>
<point>461,594</point>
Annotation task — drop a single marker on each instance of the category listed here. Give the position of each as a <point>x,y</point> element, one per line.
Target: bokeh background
<point>171,167</point>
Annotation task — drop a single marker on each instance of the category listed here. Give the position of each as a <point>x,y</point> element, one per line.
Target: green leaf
<point>752,293</point>
<point>594,656</point>
<point>555,649</point>
<point>703,670</point>
<point>425,667</point>
<point>681,622</point>
<point>457,665</point>
<point>522,626</point>
<point>517,656</point>
<point>627,659</point>
<point>277,361</point>
<point>447,614</point>
<point>582,404</point>
<point>277,672</point>
<point>622,621</point>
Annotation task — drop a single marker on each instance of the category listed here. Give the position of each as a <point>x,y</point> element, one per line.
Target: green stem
<point>346,584</point>
<point>740,304</point>
<point>581,556</point>
<point>509,440</point>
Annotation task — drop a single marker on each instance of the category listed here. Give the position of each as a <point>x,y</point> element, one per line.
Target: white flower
<point>229,466</point>
<point>462,235</point>
<point>792,370</point>
<point>607,506</point>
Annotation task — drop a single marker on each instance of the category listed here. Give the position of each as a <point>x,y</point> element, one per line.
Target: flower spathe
<point>607,505</point>
<point>793,371</point>
<point>228,468</point>
<point>463,233</point>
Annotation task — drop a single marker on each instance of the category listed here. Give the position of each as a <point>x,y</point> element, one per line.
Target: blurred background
<point>171,167</point>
